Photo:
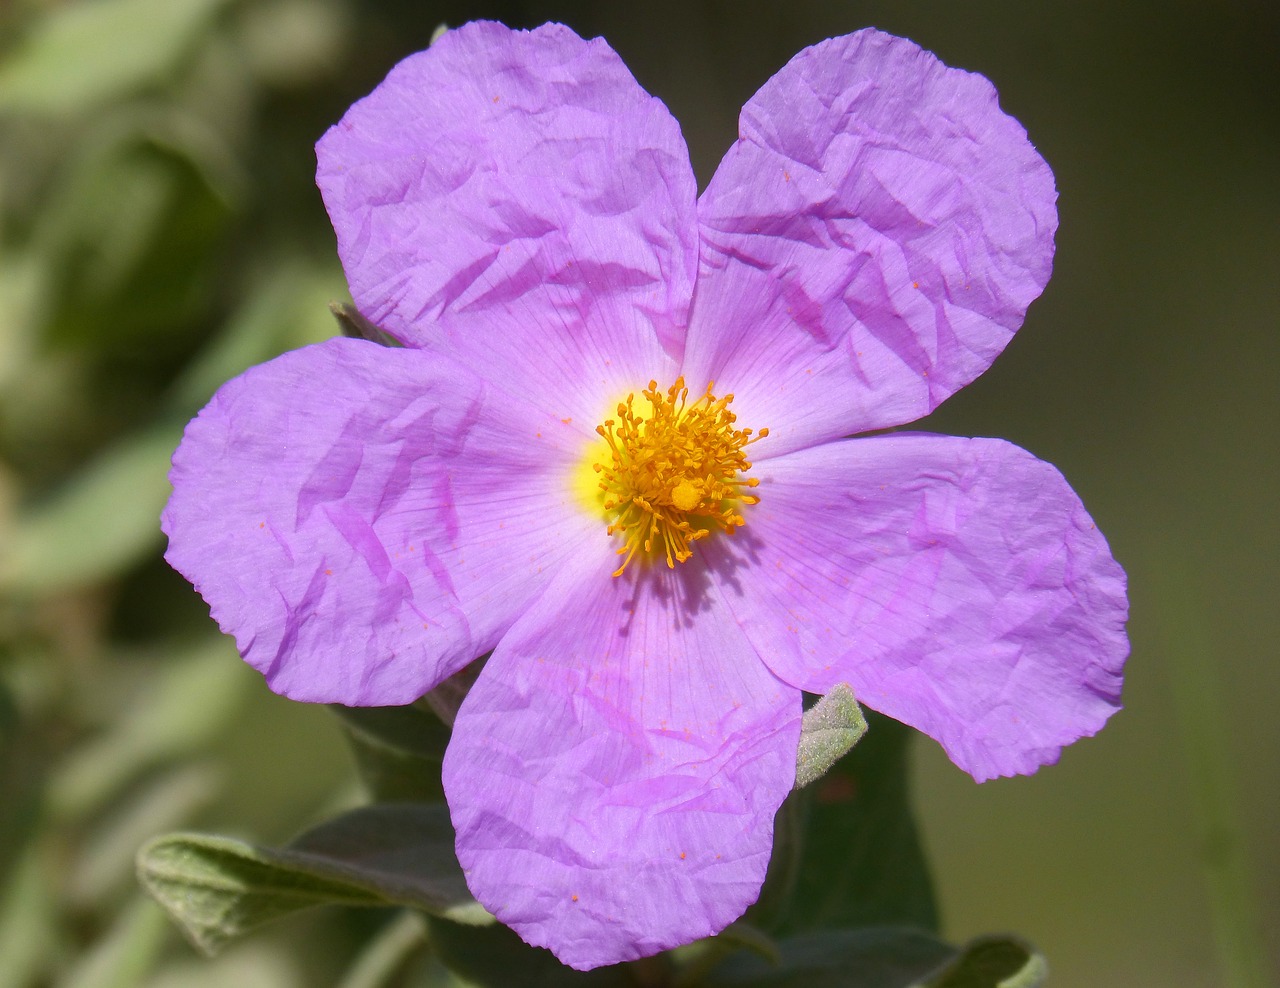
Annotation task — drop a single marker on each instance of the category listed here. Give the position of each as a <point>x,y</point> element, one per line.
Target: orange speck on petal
<point>915,284</point>
<point>566,421</point>
<point>574,898</point>
<point>262,524</point>
<point>328,572</point>
<point>682,855</point>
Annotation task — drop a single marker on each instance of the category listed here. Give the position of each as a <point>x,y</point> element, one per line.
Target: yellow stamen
<point>672,474</point>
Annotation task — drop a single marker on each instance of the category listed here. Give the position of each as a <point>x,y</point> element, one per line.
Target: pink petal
<point>869,245</point>
<point>507,195</point>
<point>366,520</point>
<point>614,773</point>
<point>957,585</point>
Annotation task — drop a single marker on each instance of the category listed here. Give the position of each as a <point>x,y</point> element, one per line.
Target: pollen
<point>672,471</point>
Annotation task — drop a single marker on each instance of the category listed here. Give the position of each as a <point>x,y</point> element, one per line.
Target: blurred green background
<point>160,230</point>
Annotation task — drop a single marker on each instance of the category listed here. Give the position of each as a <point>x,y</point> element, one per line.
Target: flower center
<point>673,472</point>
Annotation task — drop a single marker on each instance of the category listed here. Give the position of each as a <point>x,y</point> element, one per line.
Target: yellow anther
<point>673,473</point>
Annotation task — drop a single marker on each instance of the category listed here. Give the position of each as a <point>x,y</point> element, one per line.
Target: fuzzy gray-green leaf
<point>217,888</point>
<point>831,727</point>
<point>992,962</point>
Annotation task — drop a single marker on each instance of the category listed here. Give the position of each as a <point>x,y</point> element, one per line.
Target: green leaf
<point>357,327</point>
<point>217,888</point>
<point>846,850</point>
<point>125,955</point>
<point>90,53</point>
<point>283,310</point>
<point>131,238</point>
<point>868,958</point>
<point>491,956</point>
<point>744,936</point>
<point>105,862</point>
<point>885,957</point>
<point>399,751</point>
<point>704,955</point>
<point>104,519</point>
<point>158,726</point>
<point>32,916</point>
<point>388,952</point>
<point>831,728</point>
<point>992,962</point>
<point>22,297</point>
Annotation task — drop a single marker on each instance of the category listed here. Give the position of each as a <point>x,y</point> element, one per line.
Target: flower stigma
<point>672,472</point>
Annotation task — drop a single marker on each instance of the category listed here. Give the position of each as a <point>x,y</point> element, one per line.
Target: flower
<point>593,354</point>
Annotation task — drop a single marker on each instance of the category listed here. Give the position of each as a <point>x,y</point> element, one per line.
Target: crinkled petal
<point>869,245</point>
<point>366,520</point>
<point>507,194</point>
<point>957,585</point>
<point>614,773</point>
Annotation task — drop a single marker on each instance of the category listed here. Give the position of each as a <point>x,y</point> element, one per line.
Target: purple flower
<point>513,207</point>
